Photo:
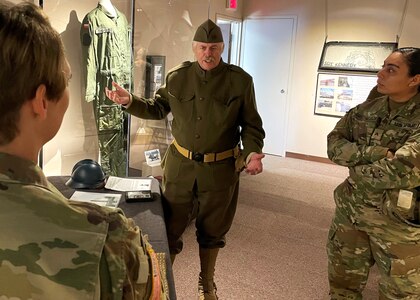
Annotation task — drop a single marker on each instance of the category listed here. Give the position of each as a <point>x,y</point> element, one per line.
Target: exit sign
<point>231,4</point>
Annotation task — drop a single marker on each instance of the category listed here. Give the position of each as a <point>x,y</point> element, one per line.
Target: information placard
<point>355,56</point>
<point>337,93</point>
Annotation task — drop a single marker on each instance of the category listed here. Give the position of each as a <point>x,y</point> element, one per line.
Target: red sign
<point>231,4</point>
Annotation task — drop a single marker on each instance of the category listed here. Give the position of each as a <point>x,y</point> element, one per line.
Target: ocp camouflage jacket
<point>53,248</point>
<point>360,141</point>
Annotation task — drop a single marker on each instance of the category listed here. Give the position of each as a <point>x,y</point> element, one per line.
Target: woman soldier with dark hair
<point>377,217</point>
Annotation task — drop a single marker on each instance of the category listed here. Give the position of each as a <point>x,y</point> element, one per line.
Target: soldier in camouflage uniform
<point>106,53</point>
<point>50,247</point>
<point>377,218</point>
<point>213,107</point>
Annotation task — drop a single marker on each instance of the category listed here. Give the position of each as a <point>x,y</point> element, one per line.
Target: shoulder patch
<point>86,39</point>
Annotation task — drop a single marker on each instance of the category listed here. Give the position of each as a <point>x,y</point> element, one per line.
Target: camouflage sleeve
<point>89,58</point>
<point>344,151</point>
<point>125,248</point>
<point>402,172</point>
<point>127,264</point>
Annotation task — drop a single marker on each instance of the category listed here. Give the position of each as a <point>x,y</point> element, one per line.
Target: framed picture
<point>152,157</point>
<point>355,56</point>
<point>155,74</point>
<point>337,93</point>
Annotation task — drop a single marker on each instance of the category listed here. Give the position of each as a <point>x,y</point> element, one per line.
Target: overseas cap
<point>208,32</point>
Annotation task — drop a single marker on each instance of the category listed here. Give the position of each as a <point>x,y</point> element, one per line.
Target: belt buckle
<point>198,157</point>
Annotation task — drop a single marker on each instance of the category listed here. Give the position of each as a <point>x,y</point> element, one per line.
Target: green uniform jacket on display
<point>107,57</point>
<point>53,248</point>
<point>379,197</point>
<point>213,111</point>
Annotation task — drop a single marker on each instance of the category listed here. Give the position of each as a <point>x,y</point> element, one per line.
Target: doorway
<point>231,31</point>
<point>267,48</point>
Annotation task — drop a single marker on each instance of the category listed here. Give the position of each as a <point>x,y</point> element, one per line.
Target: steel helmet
<point>87,174</point>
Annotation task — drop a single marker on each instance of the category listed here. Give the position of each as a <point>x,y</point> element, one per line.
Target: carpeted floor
<point>276,246</point>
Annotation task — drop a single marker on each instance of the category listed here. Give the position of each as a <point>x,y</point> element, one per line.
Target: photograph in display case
<point>337,93</point>
<point>155,74</point>
<point>152,157</point>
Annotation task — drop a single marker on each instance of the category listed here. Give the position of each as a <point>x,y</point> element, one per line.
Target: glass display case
<point>160,34</point>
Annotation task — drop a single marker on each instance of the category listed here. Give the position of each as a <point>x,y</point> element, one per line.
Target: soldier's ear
<point>415,81</point>
<point>40,102</point>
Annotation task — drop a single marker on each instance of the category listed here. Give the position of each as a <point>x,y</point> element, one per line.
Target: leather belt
<point>206,157</point>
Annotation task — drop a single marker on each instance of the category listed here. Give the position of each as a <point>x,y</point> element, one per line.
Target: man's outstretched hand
<point>119,95</point>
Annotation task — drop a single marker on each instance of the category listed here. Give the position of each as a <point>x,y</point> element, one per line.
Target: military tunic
<point>212,112</point>
<point>106,52</point>
<point>53,248</point>
<point>377,207</point>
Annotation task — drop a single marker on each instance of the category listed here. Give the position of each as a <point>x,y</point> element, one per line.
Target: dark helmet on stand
<point>87,174</point>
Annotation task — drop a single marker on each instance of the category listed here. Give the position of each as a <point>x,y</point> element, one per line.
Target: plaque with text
<point>355,56</point>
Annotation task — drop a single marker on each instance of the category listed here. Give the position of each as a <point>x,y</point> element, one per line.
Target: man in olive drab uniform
<point>52,247</point>
<point>214,109</point>
<point>107,57</point>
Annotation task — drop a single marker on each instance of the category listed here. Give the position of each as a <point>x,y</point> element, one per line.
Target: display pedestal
<point>151,170</point>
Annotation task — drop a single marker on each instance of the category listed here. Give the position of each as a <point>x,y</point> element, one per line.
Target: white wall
<point>356,20</point>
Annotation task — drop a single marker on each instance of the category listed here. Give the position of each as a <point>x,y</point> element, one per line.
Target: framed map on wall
<point>355,56</point>
<point>337,93</point>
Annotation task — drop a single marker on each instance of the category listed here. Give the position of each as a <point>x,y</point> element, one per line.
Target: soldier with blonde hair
<point>50,247</point>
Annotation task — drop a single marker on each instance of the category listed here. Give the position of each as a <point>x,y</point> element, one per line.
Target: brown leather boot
<point>206,286</point>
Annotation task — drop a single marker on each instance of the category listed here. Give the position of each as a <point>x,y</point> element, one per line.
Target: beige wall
<point>356,20</point>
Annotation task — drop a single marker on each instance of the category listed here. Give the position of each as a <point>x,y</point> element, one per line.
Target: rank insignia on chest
<point>377,134</point>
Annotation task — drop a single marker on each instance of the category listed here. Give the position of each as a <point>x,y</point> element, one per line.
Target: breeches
<point>390,243</point>
<point>215,213</point>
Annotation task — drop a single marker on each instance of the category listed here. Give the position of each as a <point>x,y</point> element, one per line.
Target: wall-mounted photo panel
<point>337,93</point>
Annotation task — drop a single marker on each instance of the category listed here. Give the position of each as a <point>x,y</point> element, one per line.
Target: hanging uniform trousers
<point>107,57</point>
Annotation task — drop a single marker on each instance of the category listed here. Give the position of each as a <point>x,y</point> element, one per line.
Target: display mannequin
<point>106,49</point>
<point>109,7</point>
